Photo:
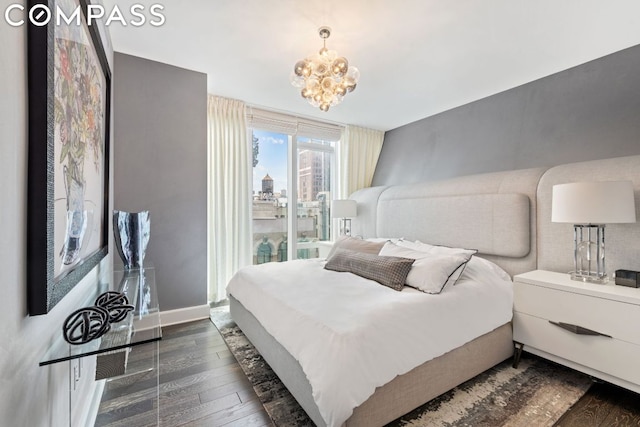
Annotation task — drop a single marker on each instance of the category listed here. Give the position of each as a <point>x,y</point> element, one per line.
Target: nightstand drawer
<point>619,320</point>
<point>608,355</point>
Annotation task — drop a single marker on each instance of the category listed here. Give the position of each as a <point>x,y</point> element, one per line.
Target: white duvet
<point>351,335</point>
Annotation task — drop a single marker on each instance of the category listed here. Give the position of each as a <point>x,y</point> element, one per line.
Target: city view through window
<point>312,172</point>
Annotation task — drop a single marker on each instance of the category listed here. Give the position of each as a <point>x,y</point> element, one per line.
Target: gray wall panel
<point>588,112</point>
<point>161,165</point>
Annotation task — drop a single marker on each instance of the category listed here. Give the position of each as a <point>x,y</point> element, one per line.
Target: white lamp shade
<point>343,208</point>
<point>605,202</point>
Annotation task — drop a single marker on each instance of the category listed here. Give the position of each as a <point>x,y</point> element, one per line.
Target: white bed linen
<point>351,335</point>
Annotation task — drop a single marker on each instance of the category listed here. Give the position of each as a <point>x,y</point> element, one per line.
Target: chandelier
<point>324,78</point>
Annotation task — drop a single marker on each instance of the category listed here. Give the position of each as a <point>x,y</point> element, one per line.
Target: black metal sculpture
<point>86,324</point>
<point>89,323</point>
<point>116,303</point>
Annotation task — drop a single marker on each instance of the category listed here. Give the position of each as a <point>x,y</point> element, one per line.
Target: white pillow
<point>440,250</point>
<point>430,272</point>
<point>434,249</point>
<point>383,239</point>
<point>479,269</point>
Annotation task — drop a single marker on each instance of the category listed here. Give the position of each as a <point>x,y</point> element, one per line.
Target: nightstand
<point>588,327</point>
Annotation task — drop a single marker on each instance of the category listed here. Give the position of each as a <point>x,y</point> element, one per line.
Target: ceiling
<point>417,58</point>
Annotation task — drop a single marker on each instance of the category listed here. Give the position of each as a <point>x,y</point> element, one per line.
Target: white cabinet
<point>589,327</point>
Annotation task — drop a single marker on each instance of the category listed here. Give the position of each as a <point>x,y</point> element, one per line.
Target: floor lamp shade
<point>589,206</point>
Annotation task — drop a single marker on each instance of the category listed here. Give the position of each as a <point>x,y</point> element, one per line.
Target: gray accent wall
<point>160,165</point>
<point>588,112</point>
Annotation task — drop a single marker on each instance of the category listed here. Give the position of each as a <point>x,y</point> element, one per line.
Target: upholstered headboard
<point>494,213</point>
<point>505,215</point>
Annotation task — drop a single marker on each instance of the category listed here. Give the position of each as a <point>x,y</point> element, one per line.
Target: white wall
<point>30,395</point>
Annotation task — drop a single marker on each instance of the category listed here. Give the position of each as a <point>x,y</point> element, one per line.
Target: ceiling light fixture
<point>324,78</point>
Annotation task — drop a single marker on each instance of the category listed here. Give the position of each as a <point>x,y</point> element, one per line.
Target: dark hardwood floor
<point>604,405</point>
<point>201,384</point>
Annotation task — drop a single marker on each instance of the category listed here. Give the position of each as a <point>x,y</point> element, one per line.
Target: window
<point>269,205</point>
<point>315,168</point>
<point>293,180</point>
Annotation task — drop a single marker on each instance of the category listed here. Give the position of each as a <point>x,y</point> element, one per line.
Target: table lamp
<point>589,206</point>
<point>344,209</point>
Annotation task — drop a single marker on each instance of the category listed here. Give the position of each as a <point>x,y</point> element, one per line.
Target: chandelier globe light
<point>324,78</point>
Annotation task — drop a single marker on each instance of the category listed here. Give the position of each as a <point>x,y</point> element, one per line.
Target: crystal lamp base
<point>582,277</point>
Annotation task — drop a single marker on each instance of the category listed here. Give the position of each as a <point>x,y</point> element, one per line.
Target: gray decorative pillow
<point>355,244</point>
<point>389,271</point>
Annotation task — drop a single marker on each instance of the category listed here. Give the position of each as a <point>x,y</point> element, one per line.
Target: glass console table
<point>113,350</point>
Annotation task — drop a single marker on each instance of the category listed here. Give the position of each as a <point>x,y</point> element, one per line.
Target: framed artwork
<point>68,162</point>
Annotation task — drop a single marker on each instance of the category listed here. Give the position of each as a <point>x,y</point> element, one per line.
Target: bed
<point>493,213</point>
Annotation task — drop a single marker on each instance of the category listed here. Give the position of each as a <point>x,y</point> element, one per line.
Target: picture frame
<point>69,92</point>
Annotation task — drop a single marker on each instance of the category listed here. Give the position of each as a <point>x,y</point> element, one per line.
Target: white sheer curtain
<point>359,152</point>
<point>229,238</point>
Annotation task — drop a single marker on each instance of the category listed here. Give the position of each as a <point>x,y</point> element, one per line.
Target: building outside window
<point>292,187</point>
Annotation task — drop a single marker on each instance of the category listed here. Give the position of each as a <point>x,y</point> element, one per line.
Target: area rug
<point>534,395</point>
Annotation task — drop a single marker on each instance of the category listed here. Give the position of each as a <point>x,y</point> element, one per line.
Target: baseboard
<point>183,315</point>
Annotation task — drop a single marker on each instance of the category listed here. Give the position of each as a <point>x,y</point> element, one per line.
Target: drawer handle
<point>578,330</point>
